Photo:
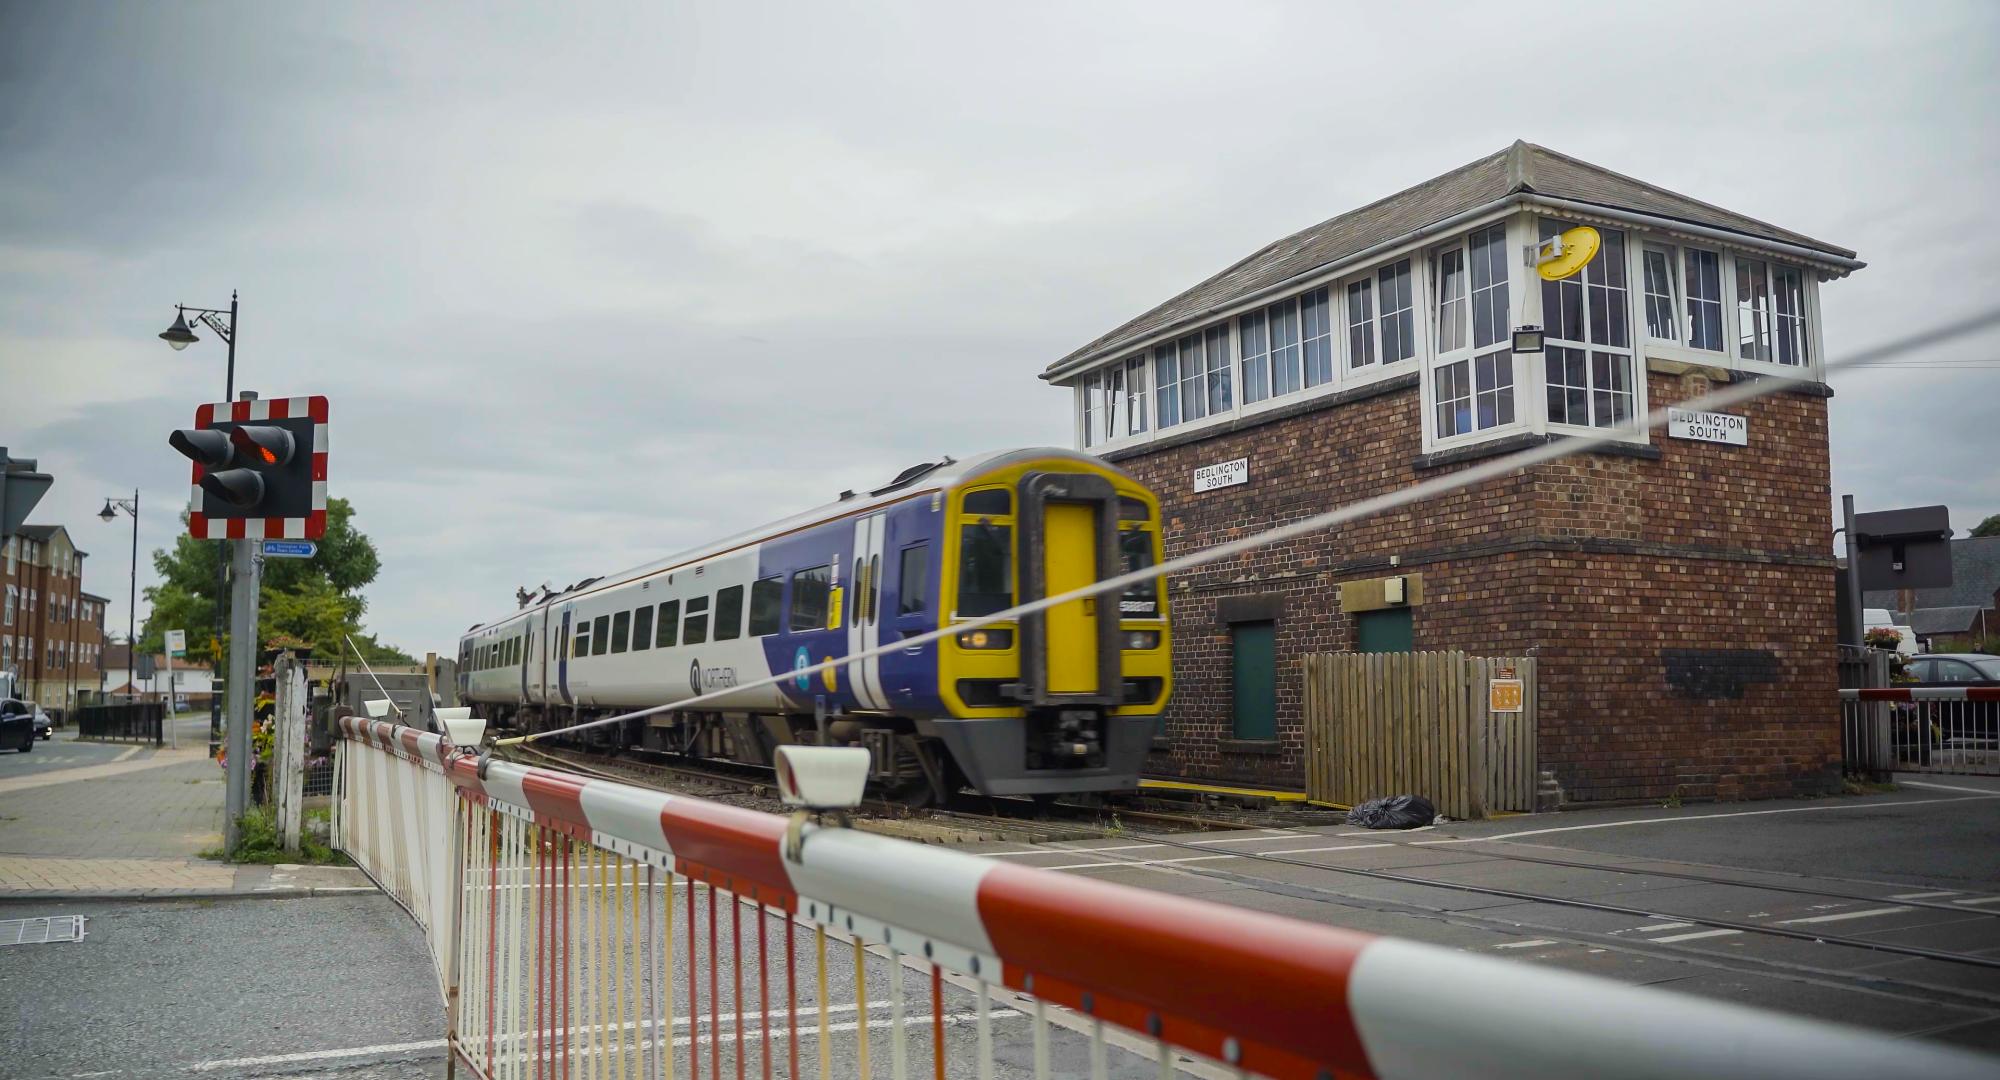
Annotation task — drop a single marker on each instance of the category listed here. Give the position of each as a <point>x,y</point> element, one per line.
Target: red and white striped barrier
<point>1923,693</point>
<point>1263,994</point>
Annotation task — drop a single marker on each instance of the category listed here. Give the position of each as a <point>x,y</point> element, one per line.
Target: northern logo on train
<point>694,676</point>
<point>800,662</point>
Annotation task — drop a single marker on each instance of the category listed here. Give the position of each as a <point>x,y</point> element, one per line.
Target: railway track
<point>1011,814</point>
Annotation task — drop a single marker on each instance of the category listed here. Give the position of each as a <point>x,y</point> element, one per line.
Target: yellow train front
<point>1065,700</point>
<point>1059,702</point>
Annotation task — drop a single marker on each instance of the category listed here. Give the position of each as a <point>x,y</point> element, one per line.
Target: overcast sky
<point>588,284</point>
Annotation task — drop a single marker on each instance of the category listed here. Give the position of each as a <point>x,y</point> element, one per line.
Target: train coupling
<point>1066,739</point>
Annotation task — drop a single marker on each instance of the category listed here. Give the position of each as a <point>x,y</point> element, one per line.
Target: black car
<point>1971,728</point>
<point>17,725</point>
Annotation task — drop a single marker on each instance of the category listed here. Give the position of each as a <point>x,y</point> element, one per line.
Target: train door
<point>1069,561</point>
<point>1068,525</point>
<point>527,653</point>
<point>864,627</point>
<point>560,646</point>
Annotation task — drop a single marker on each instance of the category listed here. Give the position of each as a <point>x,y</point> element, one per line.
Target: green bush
<point>257,841</point>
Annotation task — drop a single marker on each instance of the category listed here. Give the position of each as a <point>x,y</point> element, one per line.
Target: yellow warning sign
<point>1504,695</point>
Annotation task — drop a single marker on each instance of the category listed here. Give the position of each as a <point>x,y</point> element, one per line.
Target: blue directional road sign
<point>290,549</point>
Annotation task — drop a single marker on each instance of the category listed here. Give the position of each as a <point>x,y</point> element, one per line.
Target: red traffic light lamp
<point>249,472</point>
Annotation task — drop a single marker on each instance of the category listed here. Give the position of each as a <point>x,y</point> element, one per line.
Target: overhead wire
<point>1559,447</point>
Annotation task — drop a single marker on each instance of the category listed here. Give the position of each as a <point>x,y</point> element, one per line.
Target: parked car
<point>1962,727</point>
<point>45,728</point>
<point>17,725</point>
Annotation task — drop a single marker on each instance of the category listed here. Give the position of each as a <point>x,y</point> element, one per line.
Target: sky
<point>590,284</point>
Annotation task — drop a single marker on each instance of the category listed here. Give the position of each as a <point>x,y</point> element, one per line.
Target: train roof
<point>939,475</point>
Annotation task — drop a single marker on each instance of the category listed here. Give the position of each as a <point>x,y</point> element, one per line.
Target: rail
<point>1936,729</point>
<point>143,721</point>
<point>584,927</point>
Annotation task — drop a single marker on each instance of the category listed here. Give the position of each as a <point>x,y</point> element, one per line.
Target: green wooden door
<point>1254,672</point>
<point>1388,630</point>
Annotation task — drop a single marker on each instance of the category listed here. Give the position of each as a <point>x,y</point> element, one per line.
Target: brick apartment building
<point>51,631</point>
<point>1677,593</point>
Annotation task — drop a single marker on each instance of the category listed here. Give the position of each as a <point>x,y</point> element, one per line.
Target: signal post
<point>259,472</point>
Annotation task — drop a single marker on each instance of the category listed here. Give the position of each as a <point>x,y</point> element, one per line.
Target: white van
<point>1874,617</point>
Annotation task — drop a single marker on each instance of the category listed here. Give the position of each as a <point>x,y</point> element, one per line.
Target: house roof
<point>42,534</point>
<point>1944,620</point>
<point>1522,169</point>
<point>1975,574</point>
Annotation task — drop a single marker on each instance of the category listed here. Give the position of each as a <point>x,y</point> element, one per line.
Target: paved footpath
<point>120,820</point>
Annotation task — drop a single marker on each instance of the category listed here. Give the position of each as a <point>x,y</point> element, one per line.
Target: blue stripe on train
<point>908,677</point>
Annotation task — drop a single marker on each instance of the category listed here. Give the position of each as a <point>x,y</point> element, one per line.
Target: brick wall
<point>1706,562</point>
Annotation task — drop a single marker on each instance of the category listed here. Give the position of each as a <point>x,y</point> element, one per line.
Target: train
<point>1060,702</point>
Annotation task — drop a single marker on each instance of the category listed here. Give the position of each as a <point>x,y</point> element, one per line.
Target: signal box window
<point>695,630</point>
<point>621,630</point>
<point>810,590</point>
<point>642,628</point>
<point>670,624</point>
<point>600,635</point>
<point>767,606</point>
<point>729,613</point>
<point>914,583</point>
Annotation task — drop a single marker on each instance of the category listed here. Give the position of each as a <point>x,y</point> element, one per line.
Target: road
<point>222,989</point>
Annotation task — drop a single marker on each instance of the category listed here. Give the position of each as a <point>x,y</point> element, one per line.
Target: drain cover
<point>41,931</point>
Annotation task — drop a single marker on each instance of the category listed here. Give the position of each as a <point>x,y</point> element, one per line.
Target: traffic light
<point>260,472</point>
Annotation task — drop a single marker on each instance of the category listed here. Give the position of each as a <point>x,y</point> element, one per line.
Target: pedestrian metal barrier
<point>586,928</point>
<point>140,721</point>
<point>1935,729</point>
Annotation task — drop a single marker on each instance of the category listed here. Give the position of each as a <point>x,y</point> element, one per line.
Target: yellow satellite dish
<point>1563,256</point>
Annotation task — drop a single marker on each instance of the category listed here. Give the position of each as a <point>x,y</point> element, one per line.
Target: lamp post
<point>110,514</point>
<point>180,335</point>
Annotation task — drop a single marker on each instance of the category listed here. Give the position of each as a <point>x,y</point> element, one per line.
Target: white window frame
<point>1632,352</point>
<point>1420,325</point>
<point>1138,395</point>
<point>1733,330</point>
<point>1437,359</point>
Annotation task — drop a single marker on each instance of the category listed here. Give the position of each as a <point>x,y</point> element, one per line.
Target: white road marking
<point>1692,937</point>
<point>1983,794</point>
<point>316,1055</point>
<point>1845,915</point>
<point>129,752</point>
<point>1979,900</point>
<point>1946,787</point>
<point>1528,944</point>
<point>1661,926</point>
<point>1116,863</point>
<point>1923,895</point>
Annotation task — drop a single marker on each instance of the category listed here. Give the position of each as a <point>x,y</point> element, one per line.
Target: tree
<point>312,605</point>
<point>1989,527</point>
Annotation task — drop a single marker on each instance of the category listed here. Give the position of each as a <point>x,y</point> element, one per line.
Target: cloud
<point>588,290</point>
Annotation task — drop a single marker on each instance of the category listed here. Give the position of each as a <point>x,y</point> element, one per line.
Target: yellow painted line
<point>1181,785</point>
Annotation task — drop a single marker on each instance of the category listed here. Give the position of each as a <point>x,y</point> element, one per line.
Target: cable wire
<point>1557,447</point>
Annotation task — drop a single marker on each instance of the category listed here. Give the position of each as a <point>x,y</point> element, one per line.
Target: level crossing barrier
<point>581,927</point>
<point>1938,729</point>
<point>139,721</point>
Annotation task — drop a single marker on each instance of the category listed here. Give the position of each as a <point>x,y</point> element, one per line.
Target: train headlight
<point>1140,640</point>
<point>986,639</point>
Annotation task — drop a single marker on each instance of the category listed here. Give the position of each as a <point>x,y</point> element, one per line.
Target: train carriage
<point>1063,701</point>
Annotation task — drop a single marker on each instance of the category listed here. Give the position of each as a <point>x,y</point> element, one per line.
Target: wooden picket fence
<point>1418,723</point>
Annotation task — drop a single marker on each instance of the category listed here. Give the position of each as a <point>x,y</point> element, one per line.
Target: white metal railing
<point>595,929</point>
<point>1940,729</point>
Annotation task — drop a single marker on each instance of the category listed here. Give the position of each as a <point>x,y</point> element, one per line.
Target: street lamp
<point>180,335</point>
<point>110,514</point>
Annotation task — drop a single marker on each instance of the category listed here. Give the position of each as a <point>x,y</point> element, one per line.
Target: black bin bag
<point>1394,812</point>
